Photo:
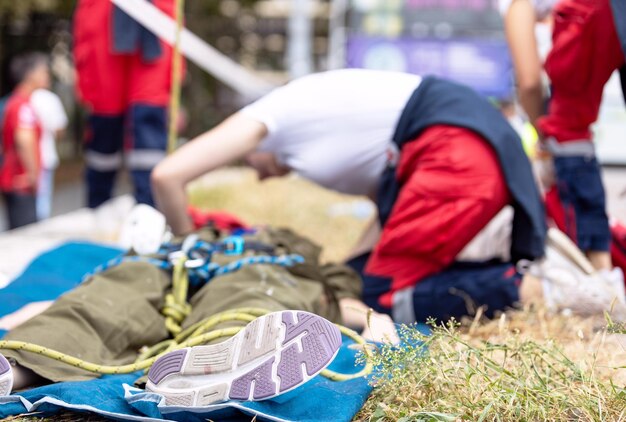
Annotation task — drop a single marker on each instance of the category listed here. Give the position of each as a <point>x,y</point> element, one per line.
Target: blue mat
<point>61,269</point>
<point>52,274</point>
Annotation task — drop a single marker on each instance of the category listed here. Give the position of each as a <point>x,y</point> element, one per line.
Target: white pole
<point>208,58</point>
<point>300,39</point>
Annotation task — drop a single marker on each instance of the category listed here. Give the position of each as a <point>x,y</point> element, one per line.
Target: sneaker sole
<point>6,377</point>
<point>270,356</point>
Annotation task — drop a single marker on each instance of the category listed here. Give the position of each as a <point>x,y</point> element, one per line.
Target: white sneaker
<point>144,230</point>
<point>6,377</point>
<point>273,354</point>
<point>570,282</point>
<point>616,278</point>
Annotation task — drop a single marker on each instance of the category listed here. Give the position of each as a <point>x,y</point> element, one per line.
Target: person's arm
<point>26,147</point>
<point>519,25</point>
<point>231,140</point>
<point>376,327</point>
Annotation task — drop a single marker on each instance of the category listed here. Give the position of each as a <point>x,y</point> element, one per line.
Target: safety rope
<point>176,309</point>
<point>148,356</point>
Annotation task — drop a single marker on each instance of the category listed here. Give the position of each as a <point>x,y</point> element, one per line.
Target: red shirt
<point>18,114</point>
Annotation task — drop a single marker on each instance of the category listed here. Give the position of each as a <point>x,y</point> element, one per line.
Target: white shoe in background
<point>144,230</point>
<point>570,282</point>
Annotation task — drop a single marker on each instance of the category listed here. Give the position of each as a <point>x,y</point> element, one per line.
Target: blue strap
<point>203,252</point>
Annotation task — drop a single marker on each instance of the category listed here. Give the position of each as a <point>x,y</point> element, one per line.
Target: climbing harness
<point>193,258</point>
<point>198,255</point>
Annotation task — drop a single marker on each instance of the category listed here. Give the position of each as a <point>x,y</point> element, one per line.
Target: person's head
<point>266,164</point>
<point>31,70</point>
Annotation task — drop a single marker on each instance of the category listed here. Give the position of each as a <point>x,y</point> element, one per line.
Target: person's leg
<point>147,129</point>
<point>459,291</point>
<point>452,187</point>
<point>586,51</point>
<point>271,355</point>
<point>44,194</point>
<point>103,157</point>
<point>563,279</point>
<point>102,88</point>
<point>149,95</point>
<point>105,321</point>
<point>21,209</point>
<point>308,287</point>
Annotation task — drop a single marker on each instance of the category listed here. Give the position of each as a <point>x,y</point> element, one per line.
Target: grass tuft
<point>495,371</point>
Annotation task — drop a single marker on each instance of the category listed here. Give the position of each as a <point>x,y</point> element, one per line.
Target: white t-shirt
<point>52,117</point>
<point>543,8</point>
<point>335,128</point>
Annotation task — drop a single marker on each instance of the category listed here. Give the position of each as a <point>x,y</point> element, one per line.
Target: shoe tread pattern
<point>261,377</point>
<point>171,363</point>
<point>320,341</point>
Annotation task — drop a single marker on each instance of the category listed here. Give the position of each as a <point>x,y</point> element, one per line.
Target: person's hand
<point>381,329</point>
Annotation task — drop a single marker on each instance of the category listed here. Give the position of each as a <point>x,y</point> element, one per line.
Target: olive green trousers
<point>110,317</point>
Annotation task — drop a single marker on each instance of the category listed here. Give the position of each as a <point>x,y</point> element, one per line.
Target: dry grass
<point>526,366</point>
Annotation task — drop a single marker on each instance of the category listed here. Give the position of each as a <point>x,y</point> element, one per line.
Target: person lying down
<point>252,281</point>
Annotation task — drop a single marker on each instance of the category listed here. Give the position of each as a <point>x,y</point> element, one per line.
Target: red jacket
<point>18,113</point>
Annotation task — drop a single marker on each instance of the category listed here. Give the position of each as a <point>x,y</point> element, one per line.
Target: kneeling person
<point>439,161</point>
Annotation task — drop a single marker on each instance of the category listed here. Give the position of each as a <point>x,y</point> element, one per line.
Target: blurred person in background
<point>123,79</point>
<point>21,134</point>
<point>589,39</point>
<point>53,119</point>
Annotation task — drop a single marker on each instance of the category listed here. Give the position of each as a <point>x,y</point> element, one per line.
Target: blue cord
<point>207,270</point>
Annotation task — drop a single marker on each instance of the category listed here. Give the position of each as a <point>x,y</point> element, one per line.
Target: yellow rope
<point>145,362</point>
<point>177,64</point>
<point>176,307</point>
<point>176,310</point>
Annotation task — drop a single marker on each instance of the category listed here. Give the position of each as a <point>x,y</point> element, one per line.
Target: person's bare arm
<point>26,146</point>
<point>376,327</point>
<point>519,24</point>
<point>231,140</point>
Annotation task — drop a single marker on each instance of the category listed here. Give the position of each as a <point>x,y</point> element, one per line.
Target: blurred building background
<point>279,39</point>
<point>461,39</point>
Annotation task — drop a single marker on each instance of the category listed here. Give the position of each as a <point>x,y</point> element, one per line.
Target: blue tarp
<point>61,269</point>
